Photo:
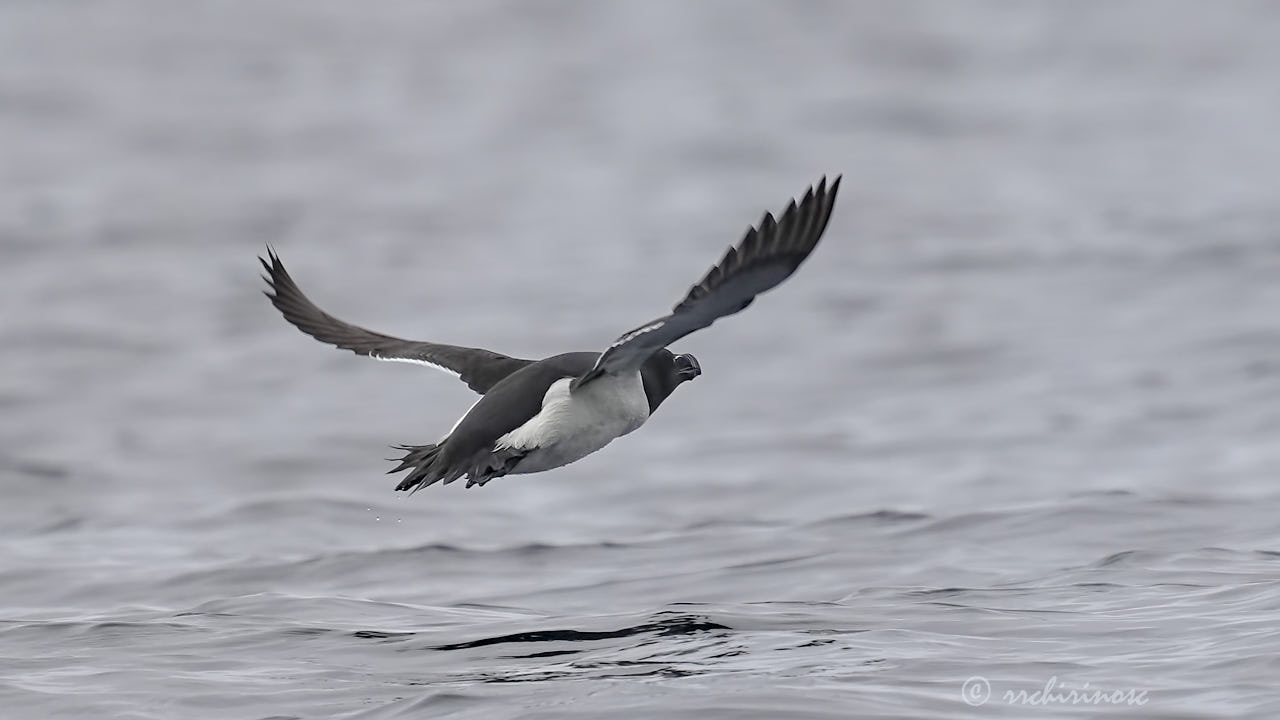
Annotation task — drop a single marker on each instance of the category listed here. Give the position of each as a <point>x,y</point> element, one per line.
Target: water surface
<point>1017,419</point>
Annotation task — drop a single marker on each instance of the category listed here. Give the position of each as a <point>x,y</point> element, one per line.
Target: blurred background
<point>1017,418</point>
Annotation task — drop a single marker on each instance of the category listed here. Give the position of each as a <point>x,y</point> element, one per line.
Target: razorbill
<point>538,415</point>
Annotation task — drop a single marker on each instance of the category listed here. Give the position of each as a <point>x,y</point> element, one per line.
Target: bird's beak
<point>687,367</point>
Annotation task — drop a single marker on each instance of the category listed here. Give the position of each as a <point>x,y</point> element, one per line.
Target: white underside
<point>573,425</point>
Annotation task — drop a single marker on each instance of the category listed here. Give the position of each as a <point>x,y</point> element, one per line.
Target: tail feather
<point>422,460</point>
<point>428,466</point>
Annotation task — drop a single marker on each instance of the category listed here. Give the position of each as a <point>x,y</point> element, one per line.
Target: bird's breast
<point>572,425</point>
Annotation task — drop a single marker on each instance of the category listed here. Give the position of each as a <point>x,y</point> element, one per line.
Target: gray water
<point>1017,420</point>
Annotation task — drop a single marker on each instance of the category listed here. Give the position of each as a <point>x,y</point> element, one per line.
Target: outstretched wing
<point>479,369</point>
<point>768,254</point>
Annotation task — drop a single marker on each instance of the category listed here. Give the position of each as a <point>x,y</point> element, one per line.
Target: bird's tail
<point>422,460</point>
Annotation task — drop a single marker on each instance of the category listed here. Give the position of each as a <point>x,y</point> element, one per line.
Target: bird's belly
<point>571,426</point>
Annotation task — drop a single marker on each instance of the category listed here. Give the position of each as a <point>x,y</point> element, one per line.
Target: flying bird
<point>536,415</point>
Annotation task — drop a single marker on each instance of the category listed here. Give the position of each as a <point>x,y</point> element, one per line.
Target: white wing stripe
<point>637,333</point>
<point>656,325</point>
<point>631,336</point>
<point>415,361</point>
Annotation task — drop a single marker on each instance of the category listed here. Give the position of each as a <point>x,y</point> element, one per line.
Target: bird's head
<point>686,367</point>
<point>663,372</point>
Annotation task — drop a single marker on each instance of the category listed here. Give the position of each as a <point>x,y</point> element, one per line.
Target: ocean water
<point>1007,446</point>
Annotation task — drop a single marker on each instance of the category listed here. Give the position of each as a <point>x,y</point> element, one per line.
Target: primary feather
<point>479,369</point>
<point>768,254</point>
